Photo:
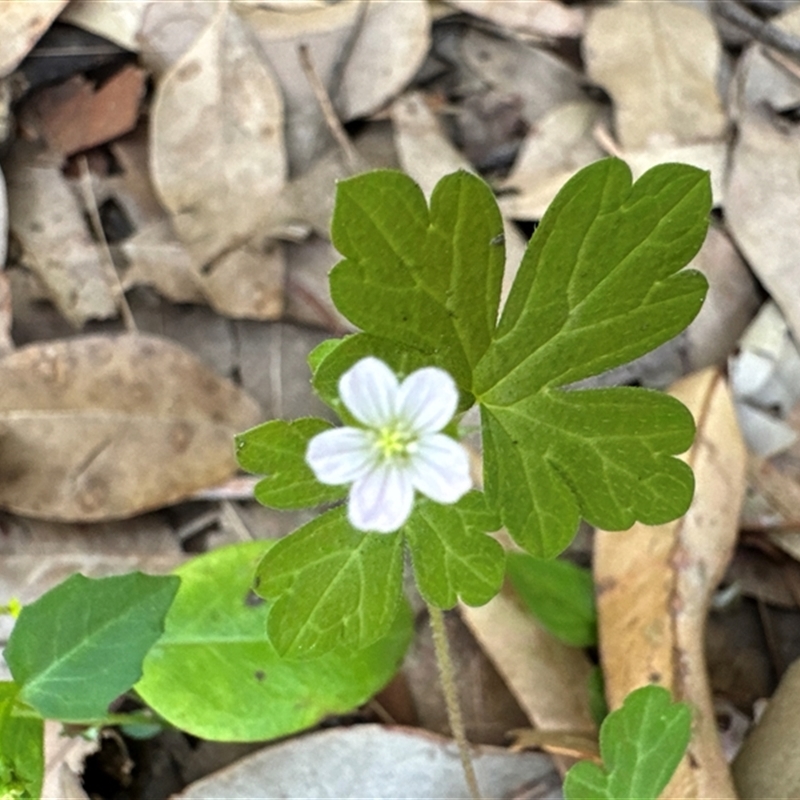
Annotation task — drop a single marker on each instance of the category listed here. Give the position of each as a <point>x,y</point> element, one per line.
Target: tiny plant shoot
<point>602,282</point>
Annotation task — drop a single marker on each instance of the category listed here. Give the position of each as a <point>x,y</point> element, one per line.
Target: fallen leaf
<point>373,761</point>
<point>763,193</point>
<point>539,79</point>
<point>549,679</point>
<point>102,428</point>
<point>168,30</point>
<point>24,21</point>
<point>48,222</point>
<point>217,152</point>
<point>561,143</point>
<point>659,63</point>
<point>6,315</point>
<point>546,19</point>
<point>76,115</point>
<point>115,21</point>
<point>3,220</point>
<point>63,763</point>
<point>391,43</point>
<point>654,585</point>
<point>767,765</point>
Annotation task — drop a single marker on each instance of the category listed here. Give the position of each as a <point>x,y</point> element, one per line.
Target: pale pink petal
<point>369,390</point>
<point>427,400</point>
<point>341,455</point>
<point>381,500</point>
<point>439,468</point>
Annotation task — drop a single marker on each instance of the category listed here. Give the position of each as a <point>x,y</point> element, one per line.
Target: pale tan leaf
<point>547,19</point>
<point>24,21</point>
<point>168,30</point>
<point>329,34</point>
<point>49,223</point>
<point>767,765</point>
<point>763,193</point>
<point>217,139</point>
<point>659,63</point>
<point>393,40</point>
<point>654,585</point>
<point>6,315</point>
<point>548,678</point>
<point>115,21</point>
<point>102,428</point>
<point>560,144</point>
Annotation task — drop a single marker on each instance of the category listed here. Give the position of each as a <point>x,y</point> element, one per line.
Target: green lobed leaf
<point>21,748</point>
<point>215,674</point>
<point>331,586</point>
<point>277,449</point>
<point>596,288</point>
<point>428,280</point>
<point>91,633</point>
<point>559,594</point>
<point>641,745</point>
<point>334,361</point>
<point>452,554</point>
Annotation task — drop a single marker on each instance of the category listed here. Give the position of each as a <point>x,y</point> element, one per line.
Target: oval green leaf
<point>215,674</point>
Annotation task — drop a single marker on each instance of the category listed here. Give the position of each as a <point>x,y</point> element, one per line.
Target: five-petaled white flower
<point>399,449</point>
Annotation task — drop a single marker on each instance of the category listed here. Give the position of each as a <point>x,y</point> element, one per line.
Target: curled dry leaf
<point>101,428</point>
<point>659,63</point>
<point>24,21</point>
<point>49,224</point>
<point>654,585</point>
<point>217,152</point>
<point>548,19</point>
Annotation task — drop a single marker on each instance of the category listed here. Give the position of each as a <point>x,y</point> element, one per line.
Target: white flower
<point>399,449</point>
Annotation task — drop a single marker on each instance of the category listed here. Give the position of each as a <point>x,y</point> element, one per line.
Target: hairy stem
<point>447,679</point>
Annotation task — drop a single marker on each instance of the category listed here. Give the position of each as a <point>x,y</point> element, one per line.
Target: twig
<point>331,120</point>
<point>447,679</point>
<point>761,30</point>
<point>107,259</point>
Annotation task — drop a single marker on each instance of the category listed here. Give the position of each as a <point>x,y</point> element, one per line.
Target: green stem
<point>447,679</point>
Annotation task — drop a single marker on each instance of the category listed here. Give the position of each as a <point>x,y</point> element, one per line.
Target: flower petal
<point>341,455</point>
<point>440,468</point>
<point>381,500</point>
<point>369,390</point>
<point>427,400</point>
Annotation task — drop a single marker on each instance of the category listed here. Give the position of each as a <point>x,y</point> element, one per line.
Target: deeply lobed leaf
<point>427,280</point>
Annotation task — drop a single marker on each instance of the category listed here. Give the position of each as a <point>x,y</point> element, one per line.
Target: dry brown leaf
<point>560,144</point>
<point>546,19</point>
<point>76,115</point>
<point>654,585</point>
<point>24,21</point>
<point>659,63</point>
<point>103,428</point>
<point>763,193</point>
<point>49,224</point>
<point>217,151</point>
<point>767,765</point>
<point>548,678</point>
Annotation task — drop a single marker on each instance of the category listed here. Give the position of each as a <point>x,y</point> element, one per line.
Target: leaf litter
<point>219,195</point>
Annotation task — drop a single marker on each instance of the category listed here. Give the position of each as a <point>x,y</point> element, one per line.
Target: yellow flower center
<point>394,443</point>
